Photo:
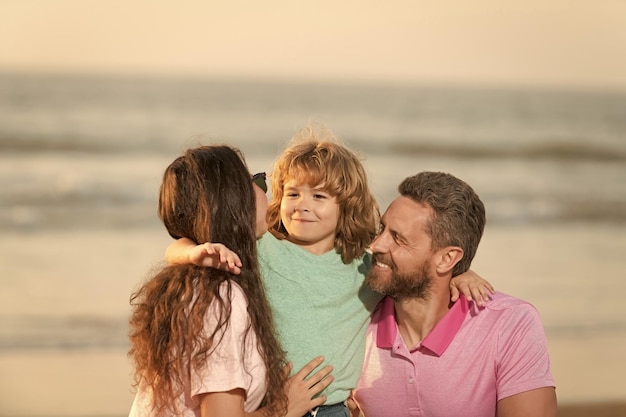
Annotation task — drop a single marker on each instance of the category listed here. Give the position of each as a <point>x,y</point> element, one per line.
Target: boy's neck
<point>316,248</point>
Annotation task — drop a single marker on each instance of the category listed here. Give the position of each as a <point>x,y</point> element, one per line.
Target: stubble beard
<point>401,286</point>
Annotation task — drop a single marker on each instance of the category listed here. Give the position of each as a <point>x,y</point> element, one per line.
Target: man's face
<point>402,252</point>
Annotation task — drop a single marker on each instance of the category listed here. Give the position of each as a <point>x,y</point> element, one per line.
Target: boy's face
<point>310,216</point>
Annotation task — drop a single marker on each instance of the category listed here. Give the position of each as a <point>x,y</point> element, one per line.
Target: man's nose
<point>378,244</point>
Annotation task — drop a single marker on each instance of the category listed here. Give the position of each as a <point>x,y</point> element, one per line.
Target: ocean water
<point>89,151</point>
<point>86,153</point>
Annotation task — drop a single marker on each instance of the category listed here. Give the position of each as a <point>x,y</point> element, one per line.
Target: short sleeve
<point>225,368</point>
<point>523,362</point>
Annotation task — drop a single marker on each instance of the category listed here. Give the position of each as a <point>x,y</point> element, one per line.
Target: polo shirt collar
<point>437,341</point>
<point>387,328</point>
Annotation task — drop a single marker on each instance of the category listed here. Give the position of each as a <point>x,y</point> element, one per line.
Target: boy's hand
<point>472,286</point>
<point>215,255</point>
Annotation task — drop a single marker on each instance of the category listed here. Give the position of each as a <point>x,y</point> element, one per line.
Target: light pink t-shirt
<point>232,365</point>
<point>470,360</point>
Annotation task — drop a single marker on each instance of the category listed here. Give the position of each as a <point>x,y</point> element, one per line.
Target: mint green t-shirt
<point>321,307</point>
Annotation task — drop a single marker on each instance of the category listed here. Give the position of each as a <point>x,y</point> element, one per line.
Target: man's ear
<point>448,258</point>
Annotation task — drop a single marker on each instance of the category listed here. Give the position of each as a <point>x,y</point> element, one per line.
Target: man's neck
<point>417,317</point>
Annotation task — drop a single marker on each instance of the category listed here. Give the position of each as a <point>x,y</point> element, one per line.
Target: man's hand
<point>353,406</point>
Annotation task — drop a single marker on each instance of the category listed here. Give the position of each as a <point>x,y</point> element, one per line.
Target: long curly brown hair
<point>206,196</point>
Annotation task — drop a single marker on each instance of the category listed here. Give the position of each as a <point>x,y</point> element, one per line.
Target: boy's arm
<point>178,252</point>
<point>214,255</point>
<point>472,286</point>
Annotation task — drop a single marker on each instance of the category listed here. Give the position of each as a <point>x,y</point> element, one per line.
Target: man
<point>426,356</point>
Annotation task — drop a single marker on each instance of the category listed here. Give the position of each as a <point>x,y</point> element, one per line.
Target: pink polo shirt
<point>470,360</point>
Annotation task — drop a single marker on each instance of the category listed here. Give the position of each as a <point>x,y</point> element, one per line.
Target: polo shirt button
<point>411,380</point>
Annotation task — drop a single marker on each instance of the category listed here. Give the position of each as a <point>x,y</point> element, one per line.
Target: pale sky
<point>546,42</point>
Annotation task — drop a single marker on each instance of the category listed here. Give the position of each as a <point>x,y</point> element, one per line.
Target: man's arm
<point>540,402</point>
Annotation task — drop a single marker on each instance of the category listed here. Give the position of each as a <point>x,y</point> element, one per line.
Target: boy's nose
<point>302,205</point>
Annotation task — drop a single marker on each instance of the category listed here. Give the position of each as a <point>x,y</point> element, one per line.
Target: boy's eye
<point>319,196</point>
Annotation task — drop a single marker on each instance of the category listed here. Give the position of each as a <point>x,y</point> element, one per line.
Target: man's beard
<point>400,286</point>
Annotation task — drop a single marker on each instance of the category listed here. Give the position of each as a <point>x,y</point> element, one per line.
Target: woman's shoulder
<point>230,289</point>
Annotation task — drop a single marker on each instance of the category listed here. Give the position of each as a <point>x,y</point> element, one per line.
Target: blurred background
<point>526,101</point>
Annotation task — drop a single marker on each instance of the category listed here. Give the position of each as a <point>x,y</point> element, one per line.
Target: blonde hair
<point>316,156</point>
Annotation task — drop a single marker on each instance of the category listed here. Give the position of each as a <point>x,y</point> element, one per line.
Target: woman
<point>203,340</point>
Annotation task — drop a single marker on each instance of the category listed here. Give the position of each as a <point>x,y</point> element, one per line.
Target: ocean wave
<point>63,333</point>
<point>162,143</point>
<point>556,150</point>
<point>548,149</point>
<point>117,114</point>
<point>84,333</point>
<point>591,329</point>
<point>94,216</point>
<point>67,144</point>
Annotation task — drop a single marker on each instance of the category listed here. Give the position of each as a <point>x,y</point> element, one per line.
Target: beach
<point>100,270</point>
<point>81,162</point>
